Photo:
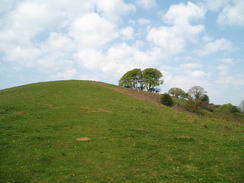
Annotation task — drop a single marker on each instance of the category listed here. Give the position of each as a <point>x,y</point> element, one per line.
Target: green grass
<point>130,140</point>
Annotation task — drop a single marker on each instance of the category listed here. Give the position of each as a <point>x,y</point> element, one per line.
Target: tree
<point>151,78</point>
<point>176,92</point>
<point>205,98</point>
<point>132,79</point>
<point>166,100</point>
<point>197,92</point>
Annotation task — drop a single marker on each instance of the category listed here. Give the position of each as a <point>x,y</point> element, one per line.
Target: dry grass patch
<point>141,95</point>
<point>83,139</point>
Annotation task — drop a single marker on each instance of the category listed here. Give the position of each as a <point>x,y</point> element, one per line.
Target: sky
<point>193,43</point>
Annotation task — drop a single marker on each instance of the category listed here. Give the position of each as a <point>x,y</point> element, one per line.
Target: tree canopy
<point>151,79</point>
<point>197,92</point>
<point>132,79</point>
<point>176,92</point>
<point>147,79</point>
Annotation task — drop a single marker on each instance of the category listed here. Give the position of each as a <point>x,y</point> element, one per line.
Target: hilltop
<point>84,131</point>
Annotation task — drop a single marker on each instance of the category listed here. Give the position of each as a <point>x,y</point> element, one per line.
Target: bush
<point>167,100</point>
<point>192,105</point>
<point>227,108</point>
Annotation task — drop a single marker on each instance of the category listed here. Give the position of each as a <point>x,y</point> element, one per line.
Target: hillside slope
<point>82,131</point>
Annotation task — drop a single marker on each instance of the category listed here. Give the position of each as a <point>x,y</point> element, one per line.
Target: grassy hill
<point>82,131</point>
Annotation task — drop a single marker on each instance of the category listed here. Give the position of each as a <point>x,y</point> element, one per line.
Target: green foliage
<point>197,92</point>
<point>192,105</point>
<point>176,92</point>
<point>205,99</point>
<point>151,78</point>
<point>132,79</point>
<point>166,99</point>
<point>227,108</point>
<point>147,79</point>
<point>130,139</point>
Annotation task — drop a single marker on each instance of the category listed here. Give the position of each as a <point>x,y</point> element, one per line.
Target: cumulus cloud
<point>67,74</point>
<point>8,5</point>
<point>216,4</point>
<point>216,46</point>
<point>92,30</point>
<point>167,39</point>
<point>198,74</point>
<point>127,32</point>
<point>147,4</point>
<point>178,77</point>
<point>172,39</point>
<point>232,15</point>
<point>190,65</point>
<point>230,81</point>
<point>183,13</point>
<point>113,9</point>
<point>231,12</point>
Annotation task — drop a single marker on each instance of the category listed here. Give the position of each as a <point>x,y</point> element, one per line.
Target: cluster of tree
<point>146,79</point>
<point>197,93</point>
<point>196,98</point>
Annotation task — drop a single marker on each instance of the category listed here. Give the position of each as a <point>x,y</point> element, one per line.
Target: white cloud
<point>230,81</point>
<point>146,4</point>
<point>172,39</point>
<point>190,65</point>
<point>232,15</point>
<point>8,5</point>
<point>198,74</point>
<point>216,46</point>
<point>30,18</point>
<point>143,21</point>
<point>90,58</point>
<point>177,77</point>
<point>215,5</point>
<point>167,39</point>
<point>223,69</point>
<point>113,9</point>
<point>231,11</point>
<point>228,60</point>
<point>127,32</point>
<point>206,39</point>
<point>67,74</point>
<point>182,14</point>
<point>23,56</point>
<point>92,30</point>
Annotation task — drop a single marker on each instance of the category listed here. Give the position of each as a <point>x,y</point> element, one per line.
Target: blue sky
<point>193,43</point>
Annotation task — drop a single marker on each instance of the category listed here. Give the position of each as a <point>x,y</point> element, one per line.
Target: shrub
<point>227,108</point>
<point>192,105</point>
<point>167,100</point>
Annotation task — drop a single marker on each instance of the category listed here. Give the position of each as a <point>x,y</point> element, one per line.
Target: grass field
<point>43,128</point>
